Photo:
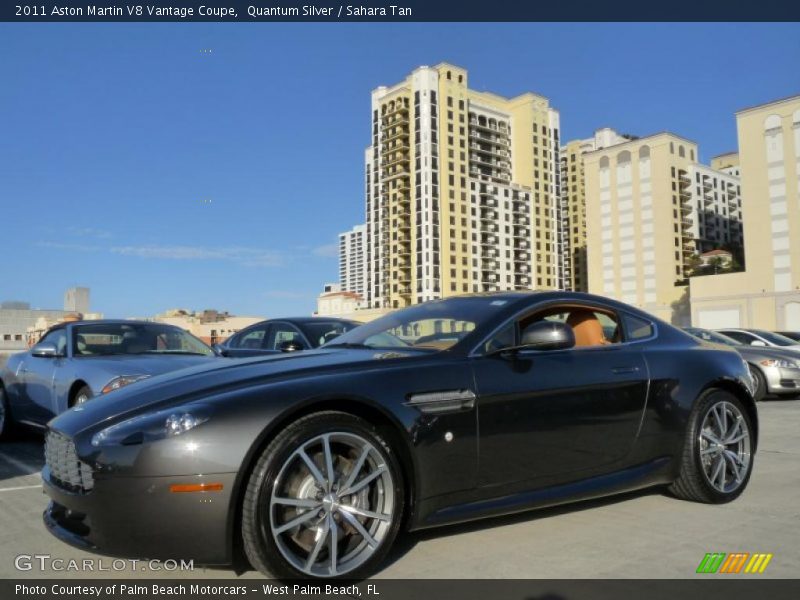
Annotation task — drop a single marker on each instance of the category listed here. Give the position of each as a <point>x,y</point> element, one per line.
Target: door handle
<point>624,370</point>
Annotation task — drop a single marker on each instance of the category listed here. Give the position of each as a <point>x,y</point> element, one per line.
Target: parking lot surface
<point>643,535</point>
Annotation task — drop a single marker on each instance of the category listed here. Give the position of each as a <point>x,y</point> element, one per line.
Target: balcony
<point>399,108</point>
<point>396,171</point>
<point>394,134</point>
<point>395,118</point>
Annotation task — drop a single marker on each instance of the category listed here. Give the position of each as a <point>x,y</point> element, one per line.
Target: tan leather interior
<point>587,328</point>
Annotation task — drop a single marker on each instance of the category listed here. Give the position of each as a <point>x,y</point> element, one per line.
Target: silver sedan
<point>775,370</point>
<point>77,361</point>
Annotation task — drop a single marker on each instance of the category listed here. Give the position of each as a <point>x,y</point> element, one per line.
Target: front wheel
<point>5,416</point>
<point>718,451</point>
<point>83,395</point>
<point>760,383</point>
<point>325,500</point>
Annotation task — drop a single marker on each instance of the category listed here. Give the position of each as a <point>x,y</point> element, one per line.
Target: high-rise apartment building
<point>461,190</point>
<point>639,220</point>
<point>765,295</point>
<point>717,208</point>
<point>572,234</point>
<point>352,259</point>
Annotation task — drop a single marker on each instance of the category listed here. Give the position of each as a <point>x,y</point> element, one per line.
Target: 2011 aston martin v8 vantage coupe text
<point>443,412</point>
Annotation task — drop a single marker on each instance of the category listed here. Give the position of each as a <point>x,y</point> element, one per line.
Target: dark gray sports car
<point>452,410</point>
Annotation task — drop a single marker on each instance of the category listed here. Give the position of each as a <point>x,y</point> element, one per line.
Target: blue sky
<point>163,176</point>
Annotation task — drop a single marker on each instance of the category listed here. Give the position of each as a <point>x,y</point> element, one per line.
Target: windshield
<point>106,339</point>
<point>775,338</point>
<point>321,332</point>
<point>713,336</point>
<point>436,325</point>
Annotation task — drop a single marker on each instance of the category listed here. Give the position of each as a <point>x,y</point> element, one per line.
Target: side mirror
<point>547,335</point>
<point>45,350</point>
<point>219,350</point>
<point>758,343</point>
<point>291,346</point>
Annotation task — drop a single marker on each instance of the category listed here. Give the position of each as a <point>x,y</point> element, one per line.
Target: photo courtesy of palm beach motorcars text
<point>427,300</point>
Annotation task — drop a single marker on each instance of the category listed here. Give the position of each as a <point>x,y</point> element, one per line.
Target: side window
<point>592,327</point>
<point>59,338</point>
<point>284,332</point>
<point>251,339</point>
<point>636,328</point>
<point>505,338</point>
<point>739,336</point>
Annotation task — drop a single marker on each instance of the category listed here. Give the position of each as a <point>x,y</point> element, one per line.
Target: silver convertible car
<point>77,361</point>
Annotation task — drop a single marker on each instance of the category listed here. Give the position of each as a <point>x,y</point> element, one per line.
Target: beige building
<point>346,305</point>
<point>572,233</point>
<point>461,190</point>
<point>727,163</point>
<point>211,326</point>
<point>767,294</point>
<point>638,217</point>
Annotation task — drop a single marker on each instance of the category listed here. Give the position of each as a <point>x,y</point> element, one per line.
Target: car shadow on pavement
<point>21,455</point>
<point>406,542</point>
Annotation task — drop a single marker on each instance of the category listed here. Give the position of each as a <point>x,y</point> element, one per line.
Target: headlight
<point>122,381</point>
<point>780,362</point>
<point>152,426</point>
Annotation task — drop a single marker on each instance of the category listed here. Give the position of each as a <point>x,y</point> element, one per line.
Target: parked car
<point>442,412</point>
<point>792,335</point>
<point>284,335</point>
<point>761,337</point>
<point>774,370</point>
<point>77,361</point>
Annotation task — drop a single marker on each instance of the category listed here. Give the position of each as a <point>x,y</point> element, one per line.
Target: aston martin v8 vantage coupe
<point>451,410</point>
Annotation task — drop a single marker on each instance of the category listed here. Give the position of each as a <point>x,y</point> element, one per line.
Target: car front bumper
<point>139,517</point>
<point>782,381</point>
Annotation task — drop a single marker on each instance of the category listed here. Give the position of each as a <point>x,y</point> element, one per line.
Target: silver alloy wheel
<point>332,504</point>
<point>724,446</point>
<point>81,398</point>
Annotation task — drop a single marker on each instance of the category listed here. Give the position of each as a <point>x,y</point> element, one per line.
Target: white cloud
<point>90,232</point>
<point>75,247</point>
<point>327,251</point>
<point>250,257</point>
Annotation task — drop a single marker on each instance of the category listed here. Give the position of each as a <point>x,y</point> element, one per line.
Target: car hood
<point>217,376</point>
<point>142,364</point>
<point>758,353</point>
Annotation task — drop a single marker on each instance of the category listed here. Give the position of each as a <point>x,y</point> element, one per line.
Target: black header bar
<point>399,11</point>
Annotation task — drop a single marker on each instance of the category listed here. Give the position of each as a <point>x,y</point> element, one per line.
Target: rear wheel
<point>718,451</point>
<point>325,500</point>
<point>760,383</point>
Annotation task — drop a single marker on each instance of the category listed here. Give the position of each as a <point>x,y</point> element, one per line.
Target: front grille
<point>65,469</point>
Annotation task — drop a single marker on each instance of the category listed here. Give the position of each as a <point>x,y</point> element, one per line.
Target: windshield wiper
<point>354,345</point>
<point>173,352</point>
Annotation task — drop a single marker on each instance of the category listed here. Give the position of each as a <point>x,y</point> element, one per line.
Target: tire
<point>290,484</point>
<point>84,394</point>
<point>701,457</point>
<point>761,383</point>
<point>6,424</point>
